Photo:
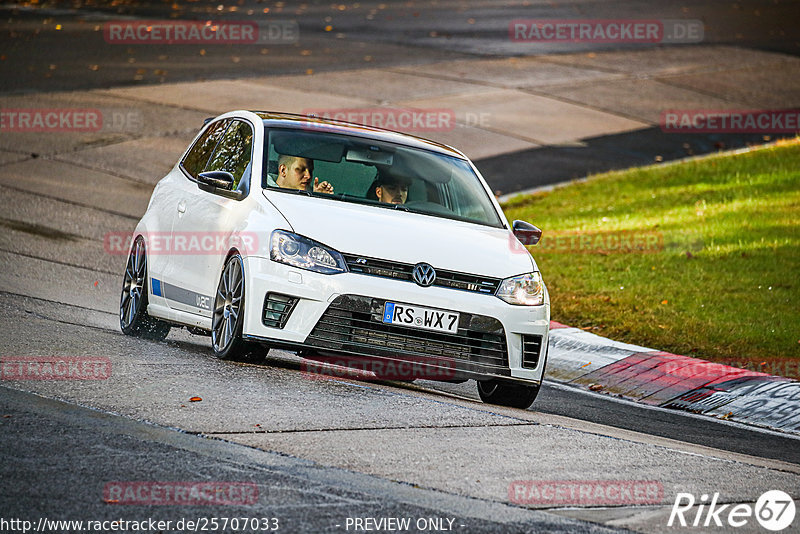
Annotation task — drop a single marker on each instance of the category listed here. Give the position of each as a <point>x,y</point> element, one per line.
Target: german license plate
<point>419,317</point>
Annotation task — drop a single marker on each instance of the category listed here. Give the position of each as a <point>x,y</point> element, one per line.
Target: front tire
<point>228,318</point>
<point>507,393</point>
<point>133,318</point>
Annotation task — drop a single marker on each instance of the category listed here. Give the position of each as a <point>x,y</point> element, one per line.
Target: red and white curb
<point>656,378</point>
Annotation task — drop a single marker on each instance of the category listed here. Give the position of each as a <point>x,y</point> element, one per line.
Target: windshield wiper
<point>289,190</point>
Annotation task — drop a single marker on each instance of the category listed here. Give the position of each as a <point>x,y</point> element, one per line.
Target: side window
<point>234,152</point>
<point>196,159</point>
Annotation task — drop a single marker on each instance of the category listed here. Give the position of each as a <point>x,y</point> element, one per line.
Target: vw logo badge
<point>423,274</point>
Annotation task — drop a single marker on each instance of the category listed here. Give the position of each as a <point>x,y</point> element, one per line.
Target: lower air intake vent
<point>531,348</point>
<point>277,309</point>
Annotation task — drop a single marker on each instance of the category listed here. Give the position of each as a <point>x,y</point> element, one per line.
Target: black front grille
<point>354,324</point>
<point>375,267</point>
<point>402,271</point>
<point>277,309</point>
<point>531,349</point>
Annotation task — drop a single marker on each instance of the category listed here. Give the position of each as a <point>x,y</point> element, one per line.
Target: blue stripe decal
<point>156,287</point>
<point>388,312</point>
<point>184,296</point>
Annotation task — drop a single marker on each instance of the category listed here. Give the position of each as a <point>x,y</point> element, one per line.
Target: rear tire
<point>509,394</point>
<point>133,317</point>
<point>228,318</point>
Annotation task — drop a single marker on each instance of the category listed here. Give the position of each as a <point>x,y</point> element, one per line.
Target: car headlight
<point>299,251</point>
<point>522,290</point>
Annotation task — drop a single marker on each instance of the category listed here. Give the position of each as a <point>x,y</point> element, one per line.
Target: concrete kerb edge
<point>721,391</point>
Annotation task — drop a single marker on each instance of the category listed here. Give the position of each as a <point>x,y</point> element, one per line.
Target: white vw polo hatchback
<point>341,241</point>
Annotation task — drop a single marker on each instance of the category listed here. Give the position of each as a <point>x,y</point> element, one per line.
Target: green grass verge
<point>709,264</point>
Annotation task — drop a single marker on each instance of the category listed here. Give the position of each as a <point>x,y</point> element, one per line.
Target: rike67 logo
<point>774,510</point>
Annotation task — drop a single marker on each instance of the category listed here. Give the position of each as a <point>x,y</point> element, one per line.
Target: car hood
<point>404,237</point>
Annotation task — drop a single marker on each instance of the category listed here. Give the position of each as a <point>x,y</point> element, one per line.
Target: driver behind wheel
<point>389,189</point>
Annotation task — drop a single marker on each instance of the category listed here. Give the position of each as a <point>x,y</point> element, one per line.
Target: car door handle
<point>182,207</point>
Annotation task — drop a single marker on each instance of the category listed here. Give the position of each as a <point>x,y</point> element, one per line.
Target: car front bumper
<point>341,315</point>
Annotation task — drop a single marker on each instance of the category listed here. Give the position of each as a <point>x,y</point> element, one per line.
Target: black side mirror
<point>527,233</point>
<point>219,179</point>
<point>219,183</point>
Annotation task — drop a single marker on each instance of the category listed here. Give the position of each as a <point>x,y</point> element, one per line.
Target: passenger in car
<point>295,172</point>
<point>389,189</point>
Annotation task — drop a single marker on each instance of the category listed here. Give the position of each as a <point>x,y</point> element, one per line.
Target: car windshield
<point>378,173</point>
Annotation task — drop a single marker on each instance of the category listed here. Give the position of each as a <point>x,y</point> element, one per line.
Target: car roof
<point>290,120</point>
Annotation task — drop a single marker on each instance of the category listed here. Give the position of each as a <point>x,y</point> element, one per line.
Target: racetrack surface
<point>429,445</point>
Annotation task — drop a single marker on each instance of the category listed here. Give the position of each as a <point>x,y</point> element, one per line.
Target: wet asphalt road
<point>341,448</point>
<point>336,36</point>
<point>59,460</point>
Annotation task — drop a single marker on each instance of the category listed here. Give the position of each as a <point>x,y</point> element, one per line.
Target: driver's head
<point>392,189</point>
<point>294,172</point>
